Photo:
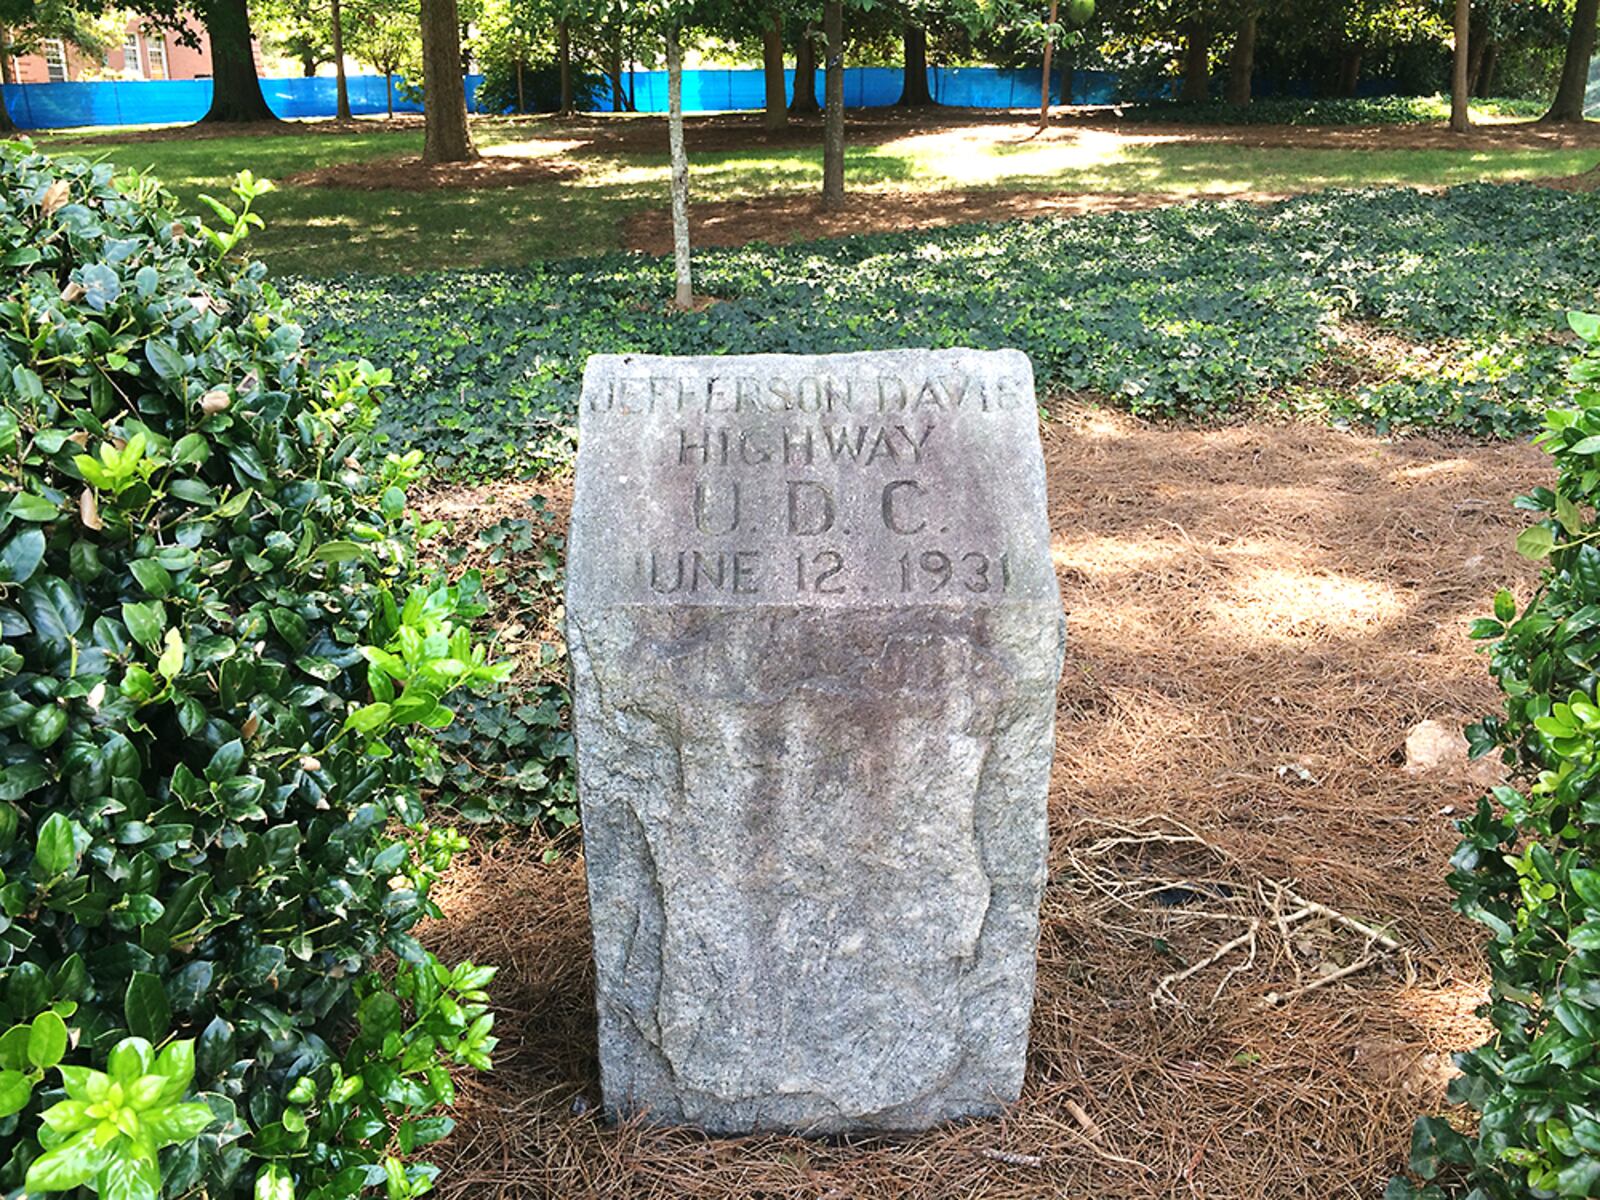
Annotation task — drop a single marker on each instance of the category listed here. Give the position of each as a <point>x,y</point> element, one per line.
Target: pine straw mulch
<point>408,173</point>
<point>782,218</point>
<point>1249,978</point>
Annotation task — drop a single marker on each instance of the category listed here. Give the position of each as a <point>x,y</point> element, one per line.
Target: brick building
<point>146,52</point>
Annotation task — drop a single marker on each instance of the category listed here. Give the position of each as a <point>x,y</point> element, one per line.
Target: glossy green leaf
<point>25,506</point>
<point>1535,542</point>
<point>145,1006</point>
<point>47,1040</point>
<point>21,555</point>
<point>16,1089</point>
<point>166,360</point>
<point>56,850</point>
<point>146,621</point>
<point>130,1173</point>
<point>71,1164</point>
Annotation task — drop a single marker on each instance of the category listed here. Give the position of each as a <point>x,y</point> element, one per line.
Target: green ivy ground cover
<point>1289,110</point>
<point>1200,312</point>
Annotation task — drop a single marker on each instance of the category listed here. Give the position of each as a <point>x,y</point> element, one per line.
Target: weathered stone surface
<point>815,636</point>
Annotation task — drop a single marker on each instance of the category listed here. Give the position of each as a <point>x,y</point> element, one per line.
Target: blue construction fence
<point>178,101</point>
<point>875,87</point>
<point>175,101</point>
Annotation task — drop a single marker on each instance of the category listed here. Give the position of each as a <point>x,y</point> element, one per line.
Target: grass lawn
<point>320,230</point>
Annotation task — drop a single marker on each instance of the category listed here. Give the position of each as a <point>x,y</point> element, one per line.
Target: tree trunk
<point>446,138</point>
<point>1485,82</point>
<point>235,88</point>
<point>804,101</point>
<point>341,88</point>
<point>1242,62</point>
<point>1349,71</point>
<point>388,93</point>
<point>777,114</point>
<point>1196,63</point>
<point>1460,117</point>
<point>914,88</point>
<point>1567,107</point>
<point>564,52</point>
<point>7,125</point>
<point>683,281</point>
<point>1477,44</point>
<point>308,66</point>
<point>1044,76</point>
<point>833,111</point>
<point>618,103</point>
<point>522,97</point>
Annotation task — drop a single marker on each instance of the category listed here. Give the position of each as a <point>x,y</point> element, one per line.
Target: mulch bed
<point>203,130</point>
<point>1250,979</point>
<point>875,126</point>
<point>796,218</point>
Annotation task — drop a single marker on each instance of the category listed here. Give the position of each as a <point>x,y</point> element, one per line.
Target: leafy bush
<point>541,89</point>
<point>1193,311</point>
<point>1291,110</point>
<point>1528,867</point>
<point>218,682</point>
<point>108,1131</point>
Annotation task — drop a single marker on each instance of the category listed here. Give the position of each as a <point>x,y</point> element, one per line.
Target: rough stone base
<point>815,845</point>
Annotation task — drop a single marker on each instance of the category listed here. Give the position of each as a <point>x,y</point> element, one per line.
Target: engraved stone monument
<point>815,637</point>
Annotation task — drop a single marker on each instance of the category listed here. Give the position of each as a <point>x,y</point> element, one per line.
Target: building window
<point>131,66</point>
<point>155,50</point>
<point>55,60</point>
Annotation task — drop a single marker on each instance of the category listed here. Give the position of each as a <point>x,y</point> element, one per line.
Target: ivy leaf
<point>1434,1142</point>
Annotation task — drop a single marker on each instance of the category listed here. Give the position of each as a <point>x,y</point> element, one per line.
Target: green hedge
<point>1195,312</point>
<point>1288,110</point>
<point>1528,866</point>
<point>221,664</point>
